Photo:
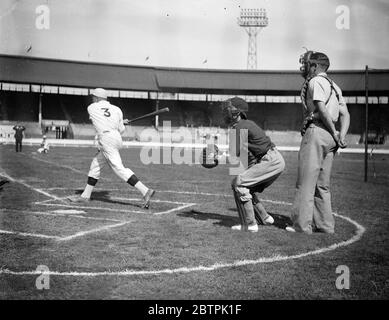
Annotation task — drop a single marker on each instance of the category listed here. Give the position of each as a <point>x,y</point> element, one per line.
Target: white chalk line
<point>51,214</point>
<point>26,234</point>
<point>153,200</point>
<point>79,234</point>
<point>65,238</point>
<point>104,228</point>
<point>360,230</point>
<point>179,192</point>
<point>182,205</point>
<point>2,173</point>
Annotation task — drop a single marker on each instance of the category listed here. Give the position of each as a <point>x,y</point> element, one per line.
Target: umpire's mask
<point>311,57</point>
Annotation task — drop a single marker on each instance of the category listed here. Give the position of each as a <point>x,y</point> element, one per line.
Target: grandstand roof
<point>21,69</point>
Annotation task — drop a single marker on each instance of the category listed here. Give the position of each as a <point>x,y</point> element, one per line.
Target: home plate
<point>69,211</point>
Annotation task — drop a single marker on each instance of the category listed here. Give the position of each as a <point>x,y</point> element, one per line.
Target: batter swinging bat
<point>151,114</point>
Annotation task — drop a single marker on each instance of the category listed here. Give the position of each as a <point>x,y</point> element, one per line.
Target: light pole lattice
<point>252,20</point>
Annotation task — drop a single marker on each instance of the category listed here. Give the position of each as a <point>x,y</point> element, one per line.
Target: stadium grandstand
<point>51,96</point>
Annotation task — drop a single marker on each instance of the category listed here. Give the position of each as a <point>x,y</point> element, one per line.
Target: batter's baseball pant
<point>312,205</point>
<point>109,143</point>
<point>258,177</point>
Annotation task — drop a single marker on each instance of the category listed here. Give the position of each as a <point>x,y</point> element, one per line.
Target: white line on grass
<point>176,192</point>
<point>154,200</point>
<point>238,263</point>
<point>183,205</point>
<point>29,186</point>
<point>26,234</point>
<point>358,234</point>
<point>175,209</point>
<point>84,207</point>
<point>66,238</point>
<point>83,233</point>
<point>50,213</point>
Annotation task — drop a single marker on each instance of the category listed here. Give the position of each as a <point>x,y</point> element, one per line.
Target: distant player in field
<point>44,146</point>
<point>265,164</point>
<point>109,125</point>
<point>323,106</point>
<point>19,134</point>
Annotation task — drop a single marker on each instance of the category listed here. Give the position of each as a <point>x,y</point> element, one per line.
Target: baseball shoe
<point>146,199</point>
<point>268,220</point>
<point>290,229</point>
<point>78,199</point>
<point>251,228</point>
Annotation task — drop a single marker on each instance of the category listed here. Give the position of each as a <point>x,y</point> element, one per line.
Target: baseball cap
<point>100,93</point>
<point>320,58</point>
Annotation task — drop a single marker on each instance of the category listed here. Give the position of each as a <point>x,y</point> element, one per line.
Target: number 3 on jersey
<point>106,112</point>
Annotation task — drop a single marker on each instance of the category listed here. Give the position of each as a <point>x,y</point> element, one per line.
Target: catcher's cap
<point>100,93</point>
<point>239,104</point>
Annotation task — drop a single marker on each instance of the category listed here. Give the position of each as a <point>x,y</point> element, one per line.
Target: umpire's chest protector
<point>320,89</point>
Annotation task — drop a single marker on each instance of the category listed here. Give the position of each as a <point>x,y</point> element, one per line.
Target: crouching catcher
<point>265,164</point>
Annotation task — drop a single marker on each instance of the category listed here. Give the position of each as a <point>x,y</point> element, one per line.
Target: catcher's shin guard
<point>259,210</point>
<point>241,211</point>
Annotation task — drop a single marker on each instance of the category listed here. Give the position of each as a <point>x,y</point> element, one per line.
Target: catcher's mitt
<point>209,155</point>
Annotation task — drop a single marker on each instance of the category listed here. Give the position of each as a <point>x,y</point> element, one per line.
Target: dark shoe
<point>2,183</point>
<point>146,199</point>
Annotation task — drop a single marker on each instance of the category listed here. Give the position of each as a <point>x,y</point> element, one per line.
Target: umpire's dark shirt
<point>258,142</point>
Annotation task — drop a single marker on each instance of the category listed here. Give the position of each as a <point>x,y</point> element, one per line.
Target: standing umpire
<point>18,137</point>
<point>323,106</point>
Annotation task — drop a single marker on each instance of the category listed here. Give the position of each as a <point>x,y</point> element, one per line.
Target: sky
<point>197,33</point>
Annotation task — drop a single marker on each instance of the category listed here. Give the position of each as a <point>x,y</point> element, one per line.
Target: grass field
<point>183,247</point>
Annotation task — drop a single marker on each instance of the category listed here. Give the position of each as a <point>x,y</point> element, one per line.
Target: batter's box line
<point>55,214</point>
<point>67,238</point>
<point>83,233</point>
<point>195,193</point>
<point>64,238</point>
<point>182,205</point>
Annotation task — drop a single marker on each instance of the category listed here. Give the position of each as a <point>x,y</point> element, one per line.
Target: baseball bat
<point>151,114</point>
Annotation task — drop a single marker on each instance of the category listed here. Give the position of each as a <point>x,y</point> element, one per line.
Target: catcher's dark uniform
<point>265,164</point>
<point>18,137</point>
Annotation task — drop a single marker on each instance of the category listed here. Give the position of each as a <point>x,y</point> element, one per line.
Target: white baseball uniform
<point>108,122</point>
<point>44,146</point>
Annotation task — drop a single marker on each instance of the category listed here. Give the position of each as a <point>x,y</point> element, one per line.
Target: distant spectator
<point>19,134</point>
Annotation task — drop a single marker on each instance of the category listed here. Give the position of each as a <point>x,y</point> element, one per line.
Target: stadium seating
<point>19,106</point>
<point>274,117</point>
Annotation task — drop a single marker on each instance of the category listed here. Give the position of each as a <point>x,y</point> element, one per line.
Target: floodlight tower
<point>252,20</point>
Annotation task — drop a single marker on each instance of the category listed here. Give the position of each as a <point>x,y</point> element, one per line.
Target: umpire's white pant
<point>312,204</point>
<point>110,142</point>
